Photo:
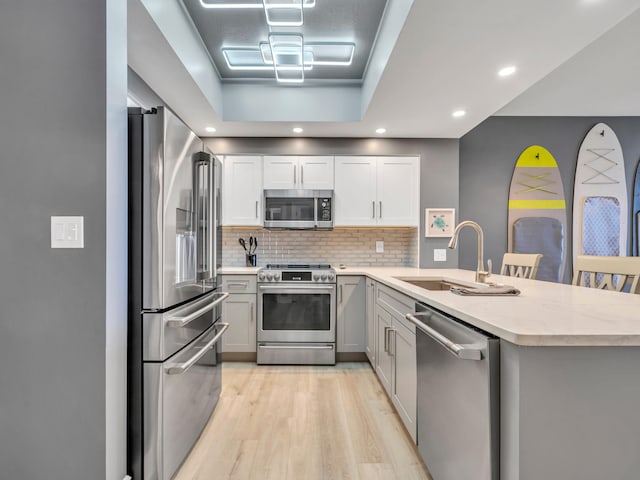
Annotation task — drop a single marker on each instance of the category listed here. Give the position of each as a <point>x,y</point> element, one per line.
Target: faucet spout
<point>481,273</point>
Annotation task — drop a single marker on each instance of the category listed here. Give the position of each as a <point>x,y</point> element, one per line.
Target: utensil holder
<point>251,260</point>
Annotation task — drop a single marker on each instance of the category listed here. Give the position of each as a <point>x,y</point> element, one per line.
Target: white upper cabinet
<point>298,172</point>
<point>355,191</point>
<point>377,191</point>
<point>242,190</point>
<point>398,191</point>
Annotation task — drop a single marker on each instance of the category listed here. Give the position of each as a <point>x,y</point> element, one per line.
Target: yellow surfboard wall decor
<point>537,220</point>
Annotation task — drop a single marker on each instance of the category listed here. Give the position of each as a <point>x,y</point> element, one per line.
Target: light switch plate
<point>379,246</point>
<point>67,232</point>
<point>439,254</point>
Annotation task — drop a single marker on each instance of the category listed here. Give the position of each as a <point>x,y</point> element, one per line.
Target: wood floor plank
<point>303,422</point>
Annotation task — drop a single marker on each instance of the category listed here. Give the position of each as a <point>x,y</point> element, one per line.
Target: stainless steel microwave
<point>303,209</point>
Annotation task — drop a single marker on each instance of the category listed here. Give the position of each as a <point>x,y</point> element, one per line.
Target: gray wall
<point>488,155</point>
<point>438,169</point>
<point>61,128</point>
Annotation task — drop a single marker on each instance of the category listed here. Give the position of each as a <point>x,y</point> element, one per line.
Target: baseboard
<point>252,357</point>
<point>351,357</point>
<point>239,356</point>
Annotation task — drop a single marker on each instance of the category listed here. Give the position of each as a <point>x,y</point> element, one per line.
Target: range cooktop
<point>298,266</point>
<point>298,273</point>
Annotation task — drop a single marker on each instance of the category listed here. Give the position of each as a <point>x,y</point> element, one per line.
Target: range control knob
<point>331,277</point>
<point>276,277</point>
<point>261,276</point>
<point>316,277</point>
<point>269,276</point>
<point>324,276</point>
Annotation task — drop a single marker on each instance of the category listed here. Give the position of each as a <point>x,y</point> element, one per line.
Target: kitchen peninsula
<point>569,370</point>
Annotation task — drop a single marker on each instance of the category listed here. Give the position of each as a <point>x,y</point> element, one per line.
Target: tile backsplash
<point>351,246</point>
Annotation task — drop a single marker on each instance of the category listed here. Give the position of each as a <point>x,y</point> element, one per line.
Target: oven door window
<point>289,209</point>
<point>296,311</point>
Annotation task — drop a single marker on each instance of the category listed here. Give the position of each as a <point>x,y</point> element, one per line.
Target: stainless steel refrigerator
<point>174,303</point>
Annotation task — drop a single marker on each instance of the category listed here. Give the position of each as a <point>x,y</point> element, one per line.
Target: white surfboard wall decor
<point>600,196</point>
<point>537,220</point>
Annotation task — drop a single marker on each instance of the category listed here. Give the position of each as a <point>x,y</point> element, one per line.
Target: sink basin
<point>436,283</point>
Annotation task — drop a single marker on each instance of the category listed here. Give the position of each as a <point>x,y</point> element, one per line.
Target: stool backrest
<point>607,273</point>
<point>523,265</point>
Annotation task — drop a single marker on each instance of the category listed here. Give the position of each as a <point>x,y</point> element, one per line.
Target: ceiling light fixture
<point>252,4</point>
<point>288,57</point>
<point>459,113</point>
<point>506,71</point>
<point>292,56</point>
<point>297,130</point>
<point>283,13</point>
<point>381,130</point>
<point>210,129</point>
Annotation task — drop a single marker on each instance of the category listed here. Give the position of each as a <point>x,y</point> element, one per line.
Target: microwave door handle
<point>315,211</point>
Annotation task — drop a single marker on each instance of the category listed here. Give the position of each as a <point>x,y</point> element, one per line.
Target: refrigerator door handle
<point>183,367</point>
<point>182,321</point>
<point>205,227</point>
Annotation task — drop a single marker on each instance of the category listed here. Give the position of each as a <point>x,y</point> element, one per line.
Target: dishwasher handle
<point>463,352</point>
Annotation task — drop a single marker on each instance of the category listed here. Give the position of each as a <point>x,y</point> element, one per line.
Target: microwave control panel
<point>324,209</point>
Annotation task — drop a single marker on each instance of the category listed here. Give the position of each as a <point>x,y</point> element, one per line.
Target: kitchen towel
<point>503,290</point>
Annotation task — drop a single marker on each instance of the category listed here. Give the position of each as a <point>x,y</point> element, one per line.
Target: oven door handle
<point>288,288</point>
<point>297,347</point>
<point>182,321</point>
<point>178,368</point>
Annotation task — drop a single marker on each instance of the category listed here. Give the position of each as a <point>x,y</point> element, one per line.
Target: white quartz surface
<point>544,314</point>
<point>238,270</point>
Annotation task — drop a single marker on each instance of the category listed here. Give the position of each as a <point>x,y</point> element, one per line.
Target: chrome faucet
<point>481,273</point>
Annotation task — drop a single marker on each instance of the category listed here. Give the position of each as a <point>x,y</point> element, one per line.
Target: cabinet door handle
<point>341,297</point>
<point>301,174</point>
<point>373,209</point>
<point>294,174</point>
<point>386,339</point>
<point>251,313</point>
<point>256,208</point>
<point>380,208</point>
<point>392,343</point>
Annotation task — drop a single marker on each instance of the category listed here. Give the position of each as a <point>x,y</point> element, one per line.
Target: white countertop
<point>239,270</point>
<point>544,314</point>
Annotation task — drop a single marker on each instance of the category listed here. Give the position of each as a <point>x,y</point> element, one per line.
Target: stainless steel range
<point>297,315</point>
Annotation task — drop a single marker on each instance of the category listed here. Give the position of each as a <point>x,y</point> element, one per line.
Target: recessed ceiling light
<point>381,130</point>
<point>297,130</point>
<point>210,129</point>
<point>459,113</point>
<point>506,71</point>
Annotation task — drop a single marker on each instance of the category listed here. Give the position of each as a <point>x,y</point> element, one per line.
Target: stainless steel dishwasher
<point>458,397</point>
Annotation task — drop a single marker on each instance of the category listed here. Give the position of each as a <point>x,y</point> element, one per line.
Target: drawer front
<point>397,304</point>
<point>239,283</point>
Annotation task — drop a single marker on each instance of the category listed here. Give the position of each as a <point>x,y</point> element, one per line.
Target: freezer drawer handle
<point>183,367</point>
<point>463,352</point>
<point>296,347</point>
<point>182,321</point>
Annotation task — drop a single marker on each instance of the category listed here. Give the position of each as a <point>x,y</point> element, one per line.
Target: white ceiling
<point>574,57</point>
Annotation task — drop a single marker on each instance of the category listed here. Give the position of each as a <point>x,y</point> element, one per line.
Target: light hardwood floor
<point>303,423</point>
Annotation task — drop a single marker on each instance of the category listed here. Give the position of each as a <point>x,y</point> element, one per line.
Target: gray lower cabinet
<point>370,326</point>
<point>351,314</point>
<point>395,357</point>
<point>239,310</point>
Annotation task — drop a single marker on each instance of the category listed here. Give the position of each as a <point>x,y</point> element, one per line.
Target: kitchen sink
<point>436,283</point>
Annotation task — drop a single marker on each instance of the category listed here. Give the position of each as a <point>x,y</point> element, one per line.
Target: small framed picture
<point>439,222</point>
